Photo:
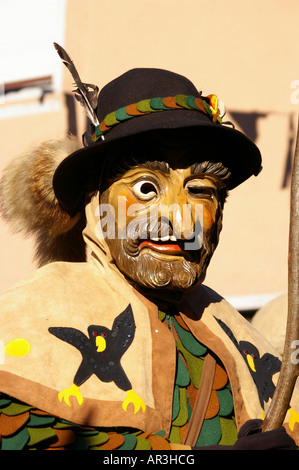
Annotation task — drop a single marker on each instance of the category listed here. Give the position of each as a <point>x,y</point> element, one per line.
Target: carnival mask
<point>162,223</point>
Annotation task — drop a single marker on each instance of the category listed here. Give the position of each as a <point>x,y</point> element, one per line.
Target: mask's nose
<point>182,221</point>
<point>185,218</point>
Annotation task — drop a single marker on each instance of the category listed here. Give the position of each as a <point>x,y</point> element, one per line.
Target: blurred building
<point>245,52</point>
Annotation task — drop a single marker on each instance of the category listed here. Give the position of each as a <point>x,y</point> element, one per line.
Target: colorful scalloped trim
<point>24,427</point>
<point>209,105</point>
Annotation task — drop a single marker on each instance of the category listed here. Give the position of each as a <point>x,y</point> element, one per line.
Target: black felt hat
<point>146,100</point>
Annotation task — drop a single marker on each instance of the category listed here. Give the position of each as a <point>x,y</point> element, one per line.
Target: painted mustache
<point>154,233</point>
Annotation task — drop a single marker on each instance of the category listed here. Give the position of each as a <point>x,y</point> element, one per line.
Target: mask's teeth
<point>164,238</point>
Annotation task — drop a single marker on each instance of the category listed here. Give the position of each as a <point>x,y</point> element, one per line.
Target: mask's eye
<point>199,191</point>
<point>145,190</point>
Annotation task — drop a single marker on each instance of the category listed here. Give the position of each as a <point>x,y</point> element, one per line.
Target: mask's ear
<point>28,203</point>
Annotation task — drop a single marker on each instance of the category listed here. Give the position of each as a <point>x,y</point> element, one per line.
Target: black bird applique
<point>101,356</point>
<point>261,368</point>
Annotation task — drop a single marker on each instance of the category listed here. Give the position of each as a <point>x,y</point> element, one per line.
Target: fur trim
<point>28,203</point>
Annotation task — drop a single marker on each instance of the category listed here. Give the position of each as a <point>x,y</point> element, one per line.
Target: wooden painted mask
<point>165,214</point>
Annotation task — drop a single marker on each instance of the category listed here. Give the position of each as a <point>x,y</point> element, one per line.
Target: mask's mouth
<point>161,238</point>
<point>164,245</point>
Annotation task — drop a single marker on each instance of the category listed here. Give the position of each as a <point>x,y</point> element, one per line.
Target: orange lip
<point>164,248</point>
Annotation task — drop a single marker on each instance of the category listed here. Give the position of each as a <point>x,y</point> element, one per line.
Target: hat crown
<point>146,100</point>
<point>140,84</point>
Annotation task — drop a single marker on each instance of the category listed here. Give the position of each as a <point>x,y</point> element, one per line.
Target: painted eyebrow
<point>197,168</point>
<point>156,165</point>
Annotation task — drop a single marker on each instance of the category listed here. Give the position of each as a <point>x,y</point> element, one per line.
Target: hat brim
<point>80,172</point>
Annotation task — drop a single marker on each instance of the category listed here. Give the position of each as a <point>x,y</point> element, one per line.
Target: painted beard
<point>160,261</point>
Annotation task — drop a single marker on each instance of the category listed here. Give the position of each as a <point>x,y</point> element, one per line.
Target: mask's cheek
<point>120,199</point>
<point>209,216</point>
